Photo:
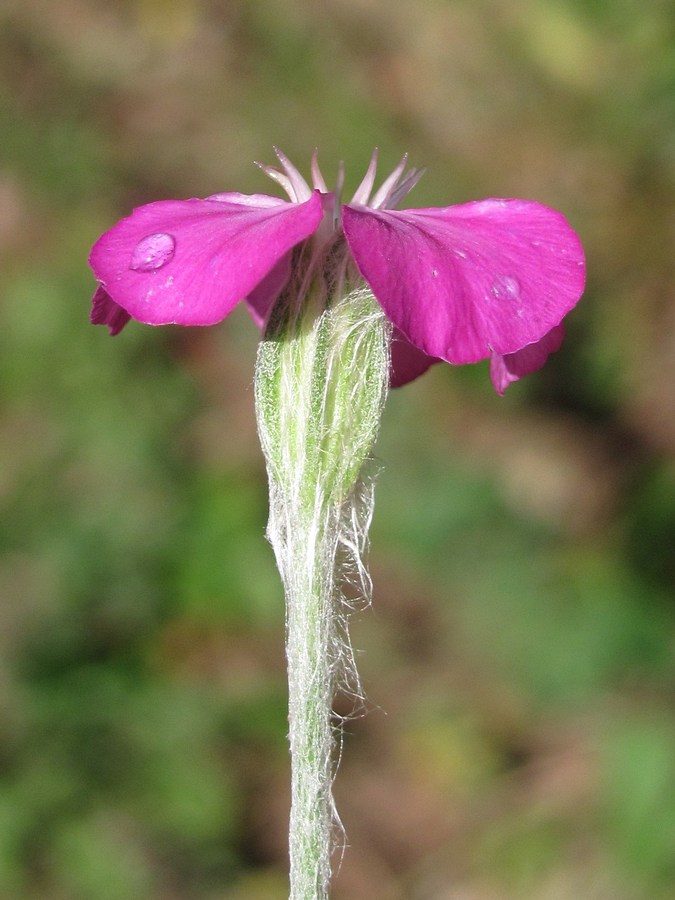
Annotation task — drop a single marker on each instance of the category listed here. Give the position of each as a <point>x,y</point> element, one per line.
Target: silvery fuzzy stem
<point>321,381</point>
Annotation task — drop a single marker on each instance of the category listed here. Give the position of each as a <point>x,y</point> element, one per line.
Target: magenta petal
<point>105,311</point>
<point>466,281</point>
<point>190,262</point>
<point>407,362</point>
<point>262,297</point>
<point>504,370</point>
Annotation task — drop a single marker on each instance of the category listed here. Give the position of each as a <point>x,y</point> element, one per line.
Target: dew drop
<point>434,273</point>
<point>153,252</point>
<point>460,253</point>
<point>506,287</point>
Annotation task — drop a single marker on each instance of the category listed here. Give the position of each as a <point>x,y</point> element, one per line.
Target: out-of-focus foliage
<point>521,639</point>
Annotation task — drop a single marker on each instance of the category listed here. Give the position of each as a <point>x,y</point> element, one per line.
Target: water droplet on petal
<point>434,273</point>
<point>153,252</point>
<point>506,287</point>
<point>460,253</point>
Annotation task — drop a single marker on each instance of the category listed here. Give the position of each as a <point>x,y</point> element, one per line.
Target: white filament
<point>394,188</point>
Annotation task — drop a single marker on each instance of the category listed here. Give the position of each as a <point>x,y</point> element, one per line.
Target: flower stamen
<point>405,187</point>
<point>337,202</point>
<point>317,178</point>
<point>290,179</point>
<point>300,187</point>
<point>362,193</point>
<point>381,198</point>
<point>277,176</point>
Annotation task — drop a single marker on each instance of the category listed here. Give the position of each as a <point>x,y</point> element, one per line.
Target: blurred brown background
<point>518,659</point>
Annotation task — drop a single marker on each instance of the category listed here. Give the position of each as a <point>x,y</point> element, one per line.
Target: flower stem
<point>321,382</point>
<point>310,689</point>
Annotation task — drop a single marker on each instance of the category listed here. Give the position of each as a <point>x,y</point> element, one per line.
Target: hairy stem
<point>321,381</point>
<point>311,684</point>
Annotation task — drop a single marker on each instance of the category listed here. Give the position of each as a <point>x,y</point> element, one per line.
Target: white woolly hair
<point>321,383</point>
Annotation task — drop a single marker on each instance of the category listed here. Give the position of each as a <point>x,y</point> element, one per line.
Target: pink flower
<point>491,279</point>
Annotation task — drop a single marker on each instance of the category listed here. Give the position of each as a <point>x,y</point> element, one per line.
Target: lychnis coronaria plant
<point>351,299</point>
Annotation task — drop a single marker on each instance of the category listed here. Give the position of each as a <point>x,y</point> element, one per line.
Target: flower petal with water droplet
<point>494,291</point>
<point>152,252</point>
<point>506,287</point>
<point>222,249</point>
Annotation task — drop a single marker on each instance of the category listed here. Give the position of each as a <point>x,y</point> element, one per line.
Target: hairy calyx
<point>321,382</point>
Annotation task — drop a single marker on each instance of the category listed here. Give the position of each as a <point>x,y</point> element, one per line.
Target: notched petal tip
<point>407,361</point>
<point>105,311</point>
<point>511,367</point>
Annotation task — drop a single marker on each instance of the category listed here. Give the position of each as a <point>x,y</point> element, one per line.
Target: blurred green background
<point>518,659</point>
